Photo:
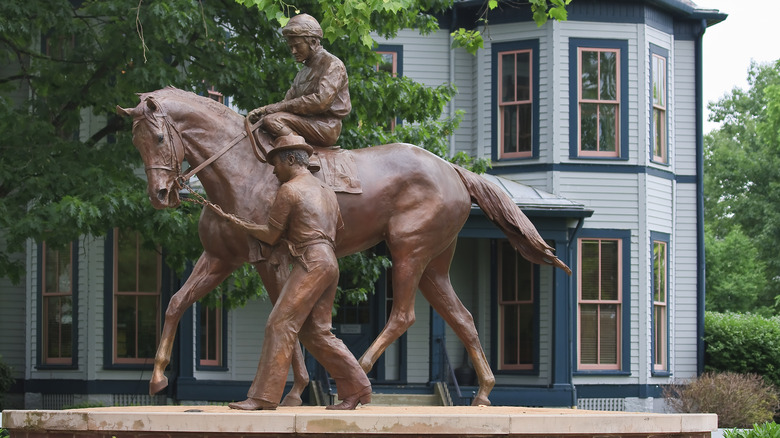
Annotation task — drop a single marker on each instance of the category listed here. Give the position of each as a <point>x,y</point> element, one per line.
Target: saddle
<point>337,166</point>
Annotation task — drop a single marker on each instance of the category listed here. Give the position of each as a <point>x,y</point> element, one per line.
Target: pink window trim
<point>501,302</point>
<point>598,153</point>
<point>502,104</point>
<point>45,296</point>
<point>124,360</point>
<point>394,56</point>
<point>618,303</point>
<point>662,109</point>
<point>217,361</point>
<point>661,338</point>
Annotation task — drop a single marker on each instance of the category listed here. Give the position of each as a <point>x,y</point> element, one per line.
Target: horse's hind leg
<point>209,271</point>
<point>437,289</point>
<point>274,278</point>
<point>405,276</point>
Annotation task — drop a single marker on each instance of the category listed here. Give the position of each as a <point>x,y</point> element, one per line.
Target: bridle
<point>173,163</point>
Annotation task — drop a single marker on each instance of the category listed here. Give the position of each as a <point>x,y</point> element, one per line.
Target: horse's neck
<point>234,179</point>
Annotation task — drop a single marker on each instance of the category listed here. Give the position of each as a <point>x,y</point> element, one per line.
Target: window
<point>658,98</point>
<point>660,303</point>
<point>599,111</point>
<point>390,63</point>
<point>599,303</point>
<point>210,335</point>
<point>514,103</point>
<point>515,100</point>
<point>516,310</point>
<point>136,299</point>
<point>57,305</point>
<point>215,95</point>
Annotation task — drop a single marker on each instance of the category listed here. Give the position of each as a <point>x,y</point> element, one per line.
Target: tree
<point>736,277</point>
<point>742,188</point>
<point>63,61</point>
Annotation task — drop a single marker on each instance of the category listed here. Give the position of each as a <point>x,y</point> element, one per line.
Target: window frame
<point>111,361</point>
<point>660,53</point>
<point>623,367</point>
<point>497,50</point>
<point>576,47</point>
<point>44,362</point>
<point>397,52</point>
<point>220,363</point>
<point>660,369</point>
<point>533,302</point>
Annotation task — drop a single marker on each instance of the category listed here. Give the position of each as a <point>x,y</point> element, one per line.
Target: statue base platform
<point>365,421</point>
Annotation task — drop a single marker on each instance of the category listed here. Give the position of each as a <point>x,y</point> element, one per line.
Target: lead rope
<point>199,199</point>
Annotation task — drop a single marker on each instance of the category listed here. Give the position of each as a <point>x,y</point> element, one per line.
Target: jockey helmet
<point>303,25</point>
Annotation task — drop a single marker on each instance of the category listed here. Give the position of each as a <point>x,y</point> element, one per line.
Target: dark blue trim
<point>594,168</point>
<point>700,267</point>
<point>108,300</point>
<point>436,346</point>
<point>625,323</point>
<point>74,275</point>
<point>664,53</point>
<point>619,391</point>
<point>532,396</point>
<point>399,50</point>
<point>656,236</point>
<point>562,340</point>
<point>497,48</point>
<point>196,309</point>
<point>664,15</point>
<point>77,386</point>
<point>495,339</point>
<point>574,124</point>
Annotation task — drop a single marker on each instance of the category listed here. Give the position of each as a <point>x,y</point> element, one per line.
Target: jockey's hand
<point>256,114</point>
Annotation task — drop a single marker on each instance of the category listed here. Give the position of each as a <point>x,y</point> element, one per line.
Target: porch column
<point>563,335</point>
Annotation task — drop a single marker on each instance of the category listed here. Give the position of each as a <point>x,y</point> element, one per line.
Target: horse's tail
<point>500,209</point>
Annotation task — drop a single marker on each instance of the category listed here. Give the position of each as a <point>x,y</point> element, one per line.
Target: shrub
<point>743,343</point>
<point>6,380</point>
<point>740,400</point>
<point>765,430</point>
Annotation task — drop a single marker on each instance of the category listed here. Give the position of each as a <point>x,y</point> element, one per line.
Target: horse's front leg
<point>207,274</point>
<point>274,276</point>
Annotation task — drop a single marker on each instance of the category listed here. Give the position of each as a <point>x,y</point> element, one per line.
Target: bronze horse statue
<point>411,199</point>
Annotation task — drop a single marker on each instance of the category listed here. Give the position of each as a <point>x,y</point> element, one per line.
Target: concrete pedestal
<point>366,421</point>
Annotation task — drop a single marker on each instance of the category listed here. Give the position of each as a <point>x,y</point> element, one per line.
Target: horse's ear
<point>124,112</point>
<point>151,105</point>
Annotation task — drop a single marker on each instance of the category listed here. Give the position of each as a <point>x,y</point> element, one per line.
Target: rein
<point>181,179</point>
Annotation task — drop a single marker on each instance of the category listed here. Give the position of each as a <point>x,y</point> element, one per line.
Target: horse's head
<point>161,150</point>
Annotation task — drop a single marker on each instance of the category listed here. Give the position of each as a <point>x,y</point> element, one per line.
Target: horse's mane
<point>173,93</point>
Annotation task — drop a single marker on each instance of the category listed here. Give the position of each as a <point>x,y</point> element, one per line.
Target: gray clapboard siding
<point>418,342</point>
<point>660,199</point>
<point>685,107</point>
<point>684,300</point>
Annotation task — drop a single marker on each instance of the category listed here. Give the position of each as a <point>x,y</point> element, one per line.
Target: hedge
<point>743,343</point>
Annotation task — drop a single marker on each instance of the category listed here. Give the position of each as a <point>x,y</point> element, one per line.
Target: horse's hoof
<point>480,401</point>
<point>156,386</point>
<point>291,400</point>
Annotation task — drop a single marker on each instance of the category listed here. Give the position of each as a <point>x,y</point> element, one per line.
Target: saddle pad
<point>338,170</point>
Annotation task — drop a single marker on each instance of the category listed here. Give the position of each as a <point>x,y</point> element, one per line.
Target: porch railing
<point>449,378</point>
